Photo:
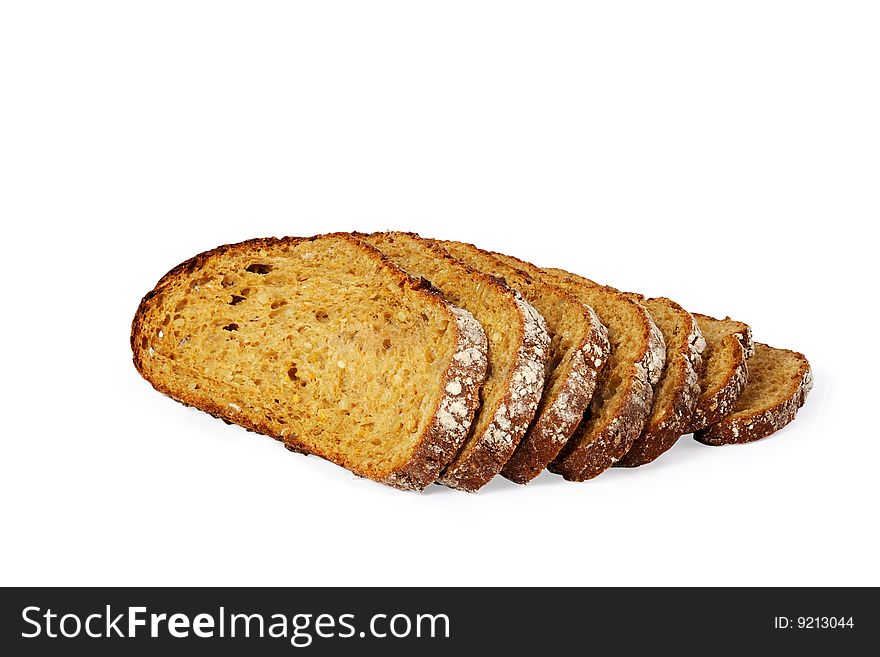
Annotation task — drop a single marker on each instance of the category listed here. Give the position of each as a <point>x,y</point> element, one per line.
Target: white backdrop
<point>725,156</point>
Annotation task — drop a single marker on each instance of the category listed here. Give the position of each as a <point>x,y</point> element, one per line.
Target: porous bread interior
<point>492,305</point>
<point>675,325</point>
<point>723,352</point>
<point>719,327</point>
<point>773,375</point>
<point>314,339</point>
<point>626,335</point>
<point>564,316</point>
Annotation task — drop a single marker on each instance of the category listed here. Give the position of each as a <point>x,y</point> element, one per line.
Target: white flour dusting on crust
<point>563,412</point>
<point>484,456</point>
<point>743,426</point>
<point>455,411</point>
<point>680,384</point>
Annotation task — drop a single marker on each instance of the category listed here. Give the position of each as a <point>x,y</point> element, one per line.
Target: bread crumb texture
<point>412,361</point>
<point>320,343</point>
<point>518,348</point>
<point>779,382</point>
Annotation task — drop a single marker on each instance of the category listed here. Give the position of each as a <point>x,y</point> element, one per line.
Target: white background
<point>724,154</point>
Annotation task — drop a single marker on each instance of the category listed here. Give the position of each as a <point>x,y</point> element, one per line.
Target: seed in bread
<point>779,382</point>
<point>518,350</point>
<point>323,344</point>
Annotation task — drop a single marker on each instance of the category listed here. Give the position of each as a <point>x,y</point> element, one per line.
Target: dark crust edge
<point>441,442</point>
<point>749,426</point>
<point>551,428</point>
<point>433,450</point>
<point>667,423</point>
<point>712,408</point>
<point>588,459</point>
<point>487,458</point>
<point>580,460</point>
<point>480,458</point>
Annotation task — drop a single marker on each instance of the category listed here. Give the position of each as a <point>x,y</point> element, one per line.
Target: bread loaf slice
<point>578,350</point>
<point>323,344</point>
<point>779,382</point>
<point>622,401</point>
<point>677,393</point>
<point>518,349</point>
<point>728,346</point>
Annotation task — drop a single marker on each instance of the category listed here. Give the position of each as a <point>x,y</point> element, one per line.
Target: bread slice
<point>676,395</point>
<point>578,350</point>
<point>728,346</point>
<point>779,382</point>
<point>518,349</point>
<point>622,401</point>
<point>323,344</point>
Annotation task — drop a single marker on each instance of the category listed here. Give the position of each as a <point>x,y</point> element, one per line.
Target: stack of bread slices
<point>413,361</point>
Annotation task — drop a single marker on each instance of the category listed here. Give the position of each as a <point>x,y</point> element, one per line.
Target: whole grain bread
<point>779,382</point>
<point>323,344</point>
<point>725,370</point>
<point>578,350</point>
<point>677,393</point>
<point>518,350</point>
<point>622,401</point>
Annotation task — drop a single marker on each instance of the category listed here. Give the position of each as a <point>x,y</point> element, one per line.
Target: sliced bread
<point>518,350</point>
<point>725,372</point>
<point>779,381</point>
<point>622,402</point>
<point>323,344</point>
<point>578,350</point>
<point>677,393</point>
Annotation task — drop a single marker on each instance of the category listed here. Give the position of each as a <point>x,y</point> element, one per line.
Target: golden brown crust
<point>715,407</point>
<point>438,444</point>
<point>525,383</point>
<point>482,456</point>
<point>718,400</point>
<point>455,411</point>
<point>592,449</point>
<point>562,406</point>
<point>746,425</point>
<point>562,415</point>
<point>671,417</point>
<point>600,447</point>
